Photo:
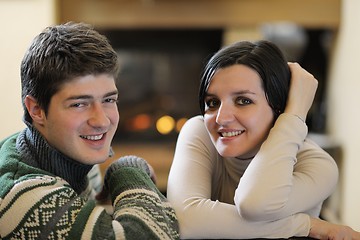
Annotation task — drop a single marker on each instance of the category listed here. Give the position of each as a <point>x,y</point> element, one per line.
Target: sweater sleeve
<point>42,206</point>
<point>142,210</point>
<point>290,174</point>
<point>189,192</point>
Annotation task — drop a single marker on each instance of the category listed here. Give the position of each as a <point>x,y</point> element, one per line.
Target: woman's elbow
<point>256,208</point>
<point>250,210</point>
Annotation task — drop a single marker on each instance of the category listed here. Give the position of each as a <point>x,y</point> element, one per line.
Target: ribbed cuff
<point>126,161</point>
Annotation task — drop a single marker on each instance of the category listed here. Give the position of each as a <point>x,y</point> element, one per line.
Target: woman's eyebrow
<point>244,92</point>
<point>207,94</point>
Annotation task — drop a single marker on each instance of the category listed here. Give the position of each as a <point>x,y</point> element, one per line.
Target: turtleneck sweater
<point>36,152</point>
<point>45,195</point>
<point>272,195</point>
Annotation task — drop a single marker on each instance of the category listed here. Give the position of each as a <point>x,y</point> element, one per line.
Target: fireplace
<point>159,79</point>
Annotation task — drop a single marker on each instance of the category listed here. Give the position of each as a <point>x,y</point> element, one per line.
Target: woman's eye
<point>212,103</point>
<point>243,101</point>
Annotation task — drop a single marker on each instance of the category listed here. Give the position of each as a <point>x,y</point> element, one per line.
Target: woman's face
<point>237,114</point>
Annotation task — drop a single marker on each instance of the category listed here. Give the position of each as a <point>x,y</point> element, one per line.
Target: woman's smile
<point>237,114</point>
<point>228,134</point>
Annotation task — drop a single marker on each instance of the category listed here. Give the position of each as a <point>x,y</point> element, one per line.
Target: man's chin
<point>92,160</point>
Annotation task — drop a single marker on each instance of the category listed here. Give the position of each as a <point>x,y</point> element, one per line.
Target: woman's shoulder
<point>197,119</point>
<point>194,133</point>
<point>194,125</point>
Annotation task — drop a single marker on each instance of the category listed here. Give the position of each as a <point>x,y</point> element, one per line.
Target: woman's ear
<point>35,111</point>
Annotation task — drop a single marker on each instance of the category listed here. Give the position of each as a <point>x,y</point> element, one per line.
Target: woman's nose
<point>224,114</point>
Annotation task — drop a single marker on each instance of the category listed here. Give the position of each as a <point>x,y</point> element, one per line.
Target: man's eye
<point>243,101</point>
<point>77,105</point>
<point>111,100</point>
<point>212,103</point>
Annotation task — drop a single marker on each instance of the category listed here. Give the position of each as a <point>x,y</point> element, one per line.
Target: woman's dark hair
<point>59,54</point>
<point>262,56</point>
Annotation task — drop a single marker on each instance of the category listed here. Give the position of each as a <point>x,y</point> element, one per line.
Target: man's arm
<point>45,207</point>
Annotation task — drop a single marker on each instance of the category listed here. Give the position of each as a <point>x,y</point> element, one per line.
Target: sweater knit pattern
<point>45,195</point>
<point>36,152</point>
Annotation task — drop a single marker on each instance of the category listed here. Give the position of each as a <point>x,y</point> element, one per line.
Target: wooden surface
<point>199,13</point>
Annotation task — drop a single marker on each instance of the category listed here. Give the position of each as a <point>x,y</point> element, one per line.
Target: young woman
<point>245,168</point>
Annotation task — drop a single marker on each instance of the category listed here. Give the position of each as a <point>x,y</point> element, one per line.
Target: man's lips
<point>93,137</point>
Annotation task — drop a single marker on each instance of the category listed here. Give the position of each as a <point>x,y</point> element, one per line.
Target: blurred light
<point>165,124</point>
<point>180,123</point>
<point>140,122</point>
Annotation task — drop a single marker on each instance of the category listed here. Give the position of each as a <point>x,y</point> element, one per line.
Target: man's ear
<point>35,111</point>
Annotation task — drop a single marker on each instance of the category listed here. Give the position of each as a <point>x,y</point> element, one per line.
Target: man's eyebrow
<point>111,93</point>
<point>85,96</point>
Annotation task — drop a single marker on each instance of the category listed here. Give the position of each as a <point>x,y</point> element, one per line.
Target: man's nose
<point>98,116</point>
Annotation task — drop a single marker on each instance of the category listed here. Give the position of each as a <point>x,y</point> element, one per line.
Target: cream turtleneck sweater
<point>270,196</point>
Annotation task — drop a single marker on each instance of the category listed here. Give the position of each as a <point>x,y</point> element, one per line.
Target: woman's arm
<point>303,86</point>
<point>321,229</point>
<point>287,176</point>
<point>189,192</point>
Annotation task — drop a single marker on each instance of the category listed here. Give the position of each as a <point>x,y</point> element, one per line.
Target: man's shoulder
<point>16,184</point>
<point>11,160</point>
<point>14,172</point>
<point>9,140</point>
<point>28,202</point>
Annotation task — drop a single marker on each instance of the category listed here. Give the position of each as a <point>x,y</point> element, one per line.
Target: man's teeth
<point>93,138</point>
<point>231,134</point>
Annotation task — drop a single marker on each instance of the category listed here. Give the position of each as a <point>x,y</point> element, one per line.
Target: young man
<point>69,98</point>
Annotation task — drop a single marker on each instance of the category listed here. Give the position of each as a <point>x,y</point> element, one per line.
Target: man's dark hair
<point>59,54</point>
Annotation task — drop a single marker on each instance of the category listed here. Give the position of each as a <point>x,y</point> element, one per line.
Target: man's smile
<point>92,137</point>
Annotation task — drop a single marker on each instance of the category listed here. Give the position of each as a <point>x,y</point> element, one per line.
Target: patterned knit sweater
<point>45,195</point>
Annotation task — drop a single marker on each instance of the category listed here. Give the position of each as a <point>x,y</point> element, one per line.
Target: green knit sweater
<point>45,195</point>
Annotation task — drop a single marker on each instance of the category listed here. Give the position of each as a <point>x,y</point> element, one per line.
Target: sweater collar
<point>35,151</point>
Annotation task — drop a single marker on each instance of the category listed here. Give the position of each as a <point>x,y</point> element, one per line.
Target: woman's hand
<point>321,229</point>
<point>303,87</point>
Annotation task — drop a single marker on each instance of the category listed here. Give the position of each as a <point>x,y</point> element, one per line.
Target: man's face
<point>82,118</point>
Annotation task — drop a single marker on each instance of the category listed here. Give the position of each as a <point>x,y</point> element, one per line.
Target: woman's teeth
<point>231,134</point>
